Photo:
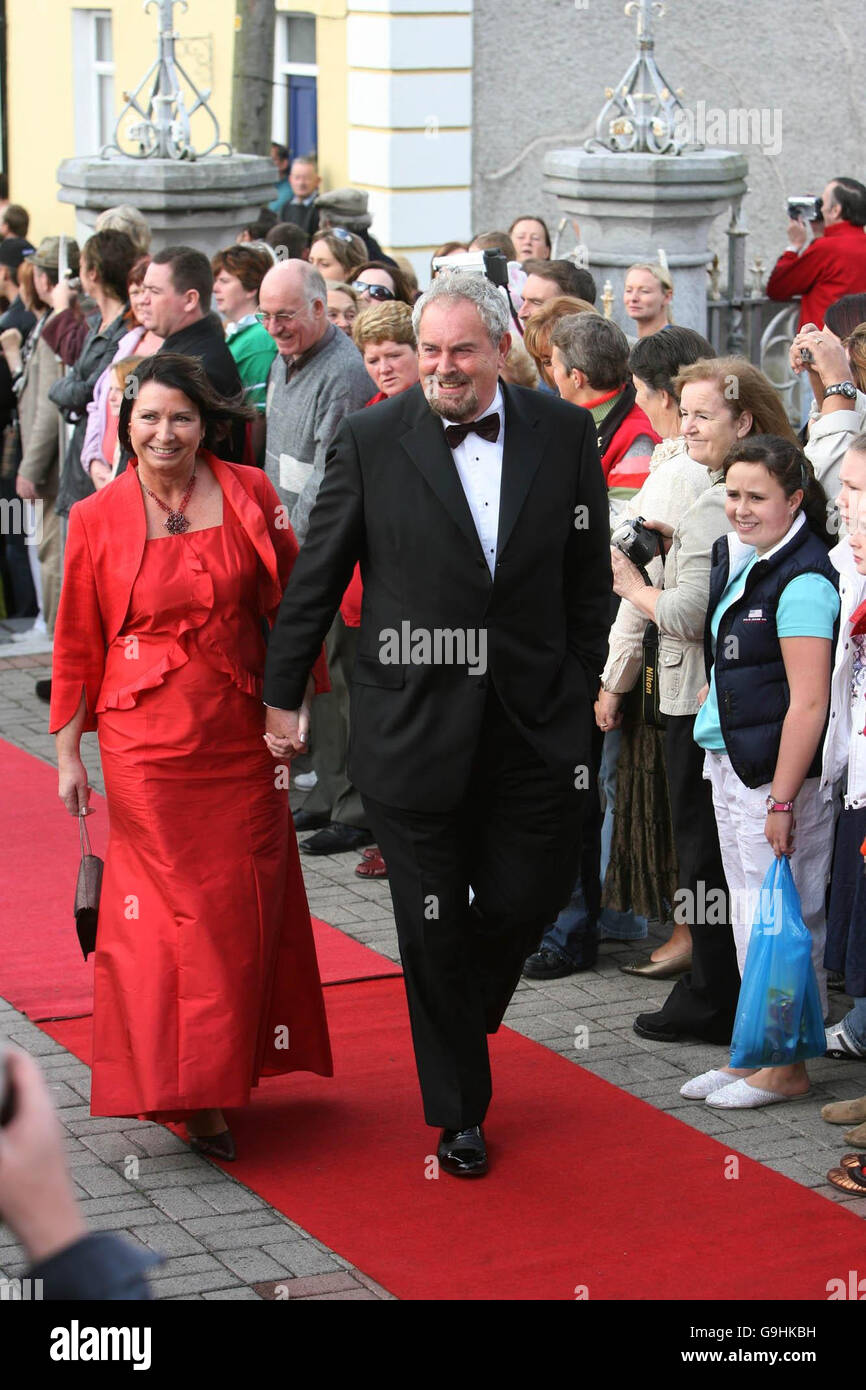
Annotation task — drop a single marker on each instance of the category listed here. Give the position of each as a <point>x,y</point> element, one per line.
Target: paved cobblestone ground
<point>221,1241</point>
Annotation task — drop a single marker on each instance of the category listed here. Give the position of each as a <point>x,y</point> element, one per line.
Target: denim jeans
<point>576,931</point>
<point>854,1025</point>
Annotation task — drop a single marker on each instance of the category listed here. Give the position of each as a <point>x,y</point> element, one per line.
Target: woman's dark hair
<point>533,217</point>
<point>658,358</point>
<point>845,315</point>
<point>172,369</point>
<point>137,272</point>
<point>787,463</point>
<point>401,289</point>
<point>110,256</point>
<point>249,264</point>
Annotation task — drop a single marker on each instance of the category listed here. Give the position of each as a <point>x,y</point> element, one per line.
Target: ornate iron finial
<point>642,114</point>
<point>163,132</point>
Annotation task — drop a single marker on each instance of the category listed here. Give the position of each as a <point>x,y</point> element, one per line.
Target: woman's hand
<point>72,786</point>
<point>61,296</point>
<point>829,364</point>
<point>703,693</point>
<point>608,710</point>
<point>665,531</point>
<point>286,730</point>
<point>25,489</point>
<point>779,830</point>
<point>627,577</point>
<point>100,473</point>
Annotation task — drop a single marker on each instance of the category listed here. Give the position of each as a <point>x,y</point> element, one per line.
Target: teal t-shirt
<point>254,350</point>
<point>808,607</point>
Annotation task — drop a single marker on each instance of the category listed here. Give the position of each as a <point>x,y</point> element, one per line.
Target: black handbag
<point>87,891</point>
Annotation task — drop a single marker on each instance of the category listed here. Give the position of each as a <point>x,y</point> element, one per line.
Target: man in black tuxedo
<point>486,568</point>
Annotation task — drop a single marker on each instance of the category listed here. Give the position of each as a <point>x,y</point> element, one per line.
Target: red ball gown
<point>205,969</point>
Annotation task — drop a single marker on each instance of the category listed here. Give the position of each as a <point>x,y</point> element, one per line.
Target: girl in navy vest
<point>771,621</point>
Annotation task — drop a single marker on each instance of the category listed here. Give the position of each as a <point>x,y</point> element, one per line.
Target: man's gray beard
<point>467,412</point>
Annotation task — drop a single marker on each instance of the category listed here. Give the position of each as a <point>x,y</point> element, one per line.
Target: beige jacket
<point>42,428</point>
<point>674,484</point>
<point>681,611</point>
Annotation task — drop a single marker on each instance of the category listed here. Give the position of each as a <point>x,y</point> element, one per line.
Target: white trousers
<point>741,814</point>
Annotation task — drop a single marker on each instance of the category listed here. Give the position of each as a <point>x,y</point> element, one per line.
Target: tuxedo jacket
<point>392,499</point>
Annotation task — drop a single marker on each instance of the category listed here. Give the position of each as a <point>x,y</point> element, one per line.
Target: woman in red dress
<point>205,970</point>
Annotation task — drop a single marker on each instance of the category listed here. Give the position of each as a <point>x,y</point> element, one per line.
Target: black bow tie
<point>488,428</point>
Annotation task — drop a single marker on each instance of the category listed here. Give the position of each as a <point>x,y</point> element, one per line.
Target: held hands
<point>61,296</point>
<point>608,710</point>
<point>73,789</point>
<point>829,359</point>
<point>703,693</point>
<point>626,576</point>
<point>287,730</point>
<point>779,830</point>
<point>25,489</point>
<point>798,233</point>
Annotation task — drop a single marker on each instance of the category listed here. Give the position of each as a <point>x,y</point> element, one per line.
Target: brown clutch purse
<point>87,891</point>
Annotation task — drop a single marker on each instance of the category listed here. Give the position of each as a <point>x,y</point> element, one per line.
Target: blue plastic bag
<point>779,1016</point>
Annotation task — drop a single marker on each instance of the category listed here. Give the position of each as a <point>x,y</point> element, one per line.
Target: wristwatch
<point>842,388</point>
<point>773,805</point>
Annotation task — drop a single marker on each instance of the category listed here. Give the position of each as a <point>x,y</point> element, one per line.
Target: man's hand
<point>287,730</point>
<point>25,489</point>
<point>798,233</point>
<point>37,1201</point>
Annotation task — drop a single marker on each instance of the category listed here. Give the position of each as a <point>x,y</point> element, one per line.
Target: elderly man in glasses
<point>317,377</point>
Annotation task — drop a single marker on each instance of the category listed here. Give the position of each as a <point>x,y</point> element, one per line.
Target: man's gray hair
<point>454,284</point>
<point>313,282</point>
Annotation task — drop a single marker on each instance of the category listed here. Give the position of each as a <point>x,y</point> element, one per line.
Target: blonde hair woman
<point>647,297</point>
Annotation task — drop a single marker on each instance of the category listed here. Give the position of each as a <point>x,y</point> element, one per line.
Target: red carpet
<point>589,1187</point>
<point>42,971</point>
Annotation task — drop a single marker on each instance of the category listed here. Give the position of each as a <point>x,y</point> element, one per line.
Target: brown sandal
<point>372,865</point>
<point>851,1177</point>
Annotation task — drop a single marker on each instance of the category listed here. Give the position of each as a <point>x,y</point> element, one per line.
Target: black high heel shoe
<point>220,1145</point>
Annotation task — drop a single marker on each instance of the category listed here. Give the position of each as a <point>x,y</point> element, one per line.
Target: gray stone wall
<point>540,70</point>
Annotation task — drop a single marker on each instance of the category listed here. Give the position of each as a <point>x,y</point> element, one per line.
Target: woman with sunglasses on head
<point>378,283</point>
<point>337,253</point>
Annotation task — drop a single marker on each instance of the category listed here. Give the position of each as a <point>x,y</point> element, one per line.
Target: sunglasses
<point>374,291</point>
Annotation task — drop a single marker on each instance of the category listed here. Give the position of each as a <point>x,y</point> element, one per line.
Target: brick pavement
<point>221,1241</point>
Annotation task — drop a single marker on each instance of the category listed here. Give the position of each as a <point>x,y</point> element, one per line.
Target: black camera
<point>637,541</point>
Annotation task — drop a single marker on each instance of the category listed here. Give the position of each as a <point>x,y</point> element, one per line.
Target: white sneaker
<point>305,781</point>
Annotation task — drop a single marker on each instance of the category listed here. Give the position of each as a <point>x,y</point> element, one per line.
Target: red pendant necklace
<point>175,523</point>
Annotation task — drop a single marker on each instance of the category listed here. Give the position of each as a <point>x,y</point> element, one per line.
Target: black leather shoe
<point>220,1145</point>
<point>462,1152</point>
<point>653,1026</point>
<point>43,691</point>
<point>547,964</point>
<point>310,820</point>
<point>336,839</point>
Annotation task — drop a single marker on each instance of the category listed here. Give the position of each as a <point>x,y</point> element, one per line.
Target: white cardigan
<point>842,751</point>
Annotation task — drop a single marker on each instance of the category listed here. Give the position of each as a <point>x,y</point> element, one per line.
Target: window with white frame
<point>93,69</point>
<point>295,72</point>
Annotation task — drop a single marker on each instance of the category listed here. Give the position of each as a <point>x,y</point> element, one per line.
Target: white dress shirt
<point>479,466</point>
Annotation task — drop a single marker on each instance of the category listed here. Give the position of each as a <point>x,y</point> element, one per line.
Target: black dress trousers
<point>703,1002</point>
<point>515,839</point>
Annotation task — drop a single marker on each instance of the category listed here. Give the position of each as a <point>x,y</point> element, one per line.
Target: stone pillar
<point>630,205</point>
<point>202,203</point>
<point>410,114</point>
